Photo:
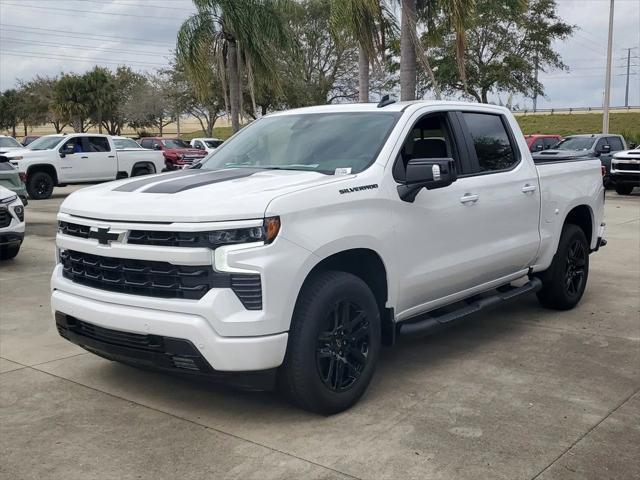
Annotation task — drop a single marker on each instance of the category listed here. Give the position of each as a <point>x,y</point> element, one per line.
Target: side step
<point>429,324</point>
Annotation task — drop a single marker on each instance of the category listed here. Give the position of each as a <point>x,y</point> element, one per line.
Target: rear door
<point>101,162</point>
<point>503,193</point>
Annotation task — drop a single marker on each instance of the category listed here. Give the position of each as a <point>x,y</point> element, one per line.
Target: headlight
<point>19,211</point>
<point>9,200</point>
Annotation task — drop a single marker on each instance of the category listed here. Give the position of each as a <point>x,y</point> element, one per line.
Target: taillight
<point>603,170</point>
<point>23,177</point>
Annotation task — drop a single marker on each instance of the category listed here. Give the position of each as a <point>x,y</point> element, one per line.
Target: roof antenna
<point>384,101</point>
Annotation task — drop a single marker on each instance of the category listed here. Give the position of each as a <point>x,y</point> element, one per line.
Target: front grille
<point>627,166</point>
<point>5,217</point>
<point>74,229</point>
<point>168,239</point>
<point>157,279</point>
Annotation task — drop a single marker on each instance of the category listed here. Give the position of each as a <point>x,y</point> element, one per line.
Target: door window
<point>430,137</point>
<point>601,143</point>
<point>550,142</point>
<point>537,145</point>
<point>616,144</point>
<point>99,144</point>
<point>146,143</point>
<point>491,141</point>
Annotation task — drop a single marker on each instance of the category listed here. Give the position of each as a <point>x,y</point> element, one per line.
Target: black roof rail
<point>384,101</point>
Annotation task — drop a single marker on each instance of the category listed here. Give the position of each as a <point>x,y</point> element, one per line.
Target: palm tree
<point>457,14</point>
<point>365,21</point>
<point>231,33</point>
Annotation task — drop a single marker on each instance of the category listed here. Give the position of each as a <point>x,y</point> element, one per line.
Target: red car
<point>537,143</point>
<point>177,153</point>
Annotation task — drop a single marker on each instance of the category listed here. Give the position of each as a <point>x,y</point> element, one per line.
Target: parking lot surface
<point>519,392</point>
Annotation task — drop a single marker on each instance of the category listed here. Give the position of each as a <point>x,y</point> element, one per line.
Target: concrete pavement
<point>516,393</point>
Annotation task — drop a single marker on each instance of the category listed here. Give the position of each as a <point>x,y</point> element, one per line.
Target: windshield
<point>8,142</point>
<point>213,143</point>
<point>576,143</point>
<point>122,143</point>
<point>44,143</point>
<point>315,142</point>
<point>175,143</point>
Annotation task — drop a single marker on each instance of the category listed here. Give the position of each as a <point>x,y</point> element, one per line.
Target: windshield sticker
<point>343,171</point>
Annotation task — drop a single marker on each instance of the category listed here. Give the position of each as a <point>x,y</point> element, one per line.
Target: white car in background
<point>11,224</point>
<point>126,143</point>
<point>206,144</point>
<point>9,144</point>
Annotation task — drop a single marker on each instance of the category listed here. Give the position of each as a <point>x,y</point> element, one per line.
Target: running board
<point>431,323</point>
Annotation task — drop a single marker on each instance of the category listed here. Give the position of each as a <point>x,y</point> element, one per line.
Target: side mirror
<point>605,149</point>
<point>157,147</point>
<point>426,173</point>
<point>67,149</point>
<point>539,148</point>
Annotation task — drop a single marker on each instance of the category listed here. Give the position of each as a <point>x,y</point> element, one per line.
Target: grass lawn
<point>626,124</point>
<point>218,132</point>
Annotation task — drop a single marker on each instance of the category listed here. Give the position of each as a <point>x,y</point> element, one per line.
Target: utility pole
<point>535,94</point>
<point>607,80</point>
<point>626,90</point>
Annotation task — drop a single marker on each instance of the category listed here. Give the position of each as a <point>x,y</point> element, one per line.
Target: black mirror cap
<point>429,173</point>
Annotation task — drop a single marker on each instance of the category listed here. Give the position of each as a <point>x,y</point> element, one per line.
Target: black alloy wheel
<point>575,268</point>
<point>343,346</point>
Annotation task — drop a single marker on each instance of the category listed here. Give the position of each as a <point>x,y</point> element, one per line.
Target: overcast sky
<point>47,37</point>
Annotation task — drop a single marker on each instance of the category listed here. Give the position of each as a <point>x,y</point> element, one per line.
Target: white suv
<point>11,224</point>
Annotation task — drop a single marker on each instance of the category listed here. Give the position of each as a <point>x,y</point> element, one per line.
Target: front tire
<point>563,284</point>
<point>40,185</point>
<point>8,252</point>
<point>334,343</point>
<point>624,189</point>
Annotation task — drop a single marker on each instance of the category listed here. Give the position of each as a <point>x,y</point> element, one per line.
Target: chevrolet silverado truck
<point>56,160</point>
<point>314,236</point>
<point>625,171</point>
<point>11,224</point>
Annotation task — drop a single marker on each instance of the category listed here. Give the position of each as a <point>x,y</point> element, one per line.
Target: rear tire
<point>40,185</point>
<point>624,189</point>
<point>140,171</point>
<point>334,343</point>
<point>8,252</point>
<point>564,282</point>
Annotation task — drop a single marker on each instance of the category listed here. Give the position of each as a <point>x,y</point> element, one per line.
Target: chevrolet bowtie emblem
<point>103,235</point>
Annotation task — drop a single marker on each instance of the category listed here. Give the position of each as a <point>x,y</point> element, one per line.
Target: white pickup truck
<point>314,236</point>
<point>55,160</point>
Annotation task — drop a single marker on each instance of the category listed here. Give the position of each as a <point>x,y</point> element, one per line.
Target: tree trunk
<point>483,96</point>
<point>263,110</point>
<point>13,130</point>
<point>24,124</point>
<point>178,125</point>
<point>407,51</point>
<point>99,119</point>
<point>234,85</point>
<point>161,125</point>
<point>363,78</point>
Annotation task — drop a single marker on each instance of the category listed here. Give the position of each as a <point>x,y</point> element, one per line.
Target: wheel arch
<point>43,167</point>
<point>368,265</point>
<point>582,216</point>
<point>143,164</point>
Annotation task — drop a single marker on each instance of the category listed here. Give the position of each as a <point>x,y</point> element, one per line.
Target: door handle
<point>84,156</point>
<point>469,198</point>
<point>112,156</point>
<point>529,188</point>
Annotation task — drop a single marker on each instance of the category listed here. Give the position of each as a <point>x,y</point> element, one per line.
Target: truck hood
<point>11,150</point>
<point>191,195</point>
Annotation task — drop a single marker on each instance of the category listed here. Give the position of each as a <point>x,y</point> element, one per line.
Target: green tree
<point>100,88</point>
<point>41,91</point>
<point>125,82</point>
<point>71,100</point>
<point>150,105</point>
<point>10,110</point>
<point>230,33</point>
<point>365,21</point>
<point>504,40</point>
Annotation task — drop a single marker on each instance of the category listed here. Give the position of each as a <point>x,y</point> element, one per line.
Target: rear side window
<point>615,143</point>
<point>99,144</point>
<point>146,143</point>
<point>491,141</point>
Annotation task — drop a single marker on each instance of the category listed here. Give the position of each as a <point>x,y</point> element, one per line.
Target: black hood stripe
<point>207,178</point>
<point>136,184</point>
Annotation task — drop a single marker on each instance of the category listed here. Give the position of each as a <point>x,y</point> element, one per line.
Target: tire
<point>140,171</point>
<point>9,252</point>
<point>334,343</point>
<point>624,189</point>
<point>564,282</point>
<point>40,185</point>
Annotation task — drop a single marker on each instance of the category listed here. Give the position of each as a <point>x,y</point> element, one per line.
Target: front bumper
<point>222,354</point>
<point>618,178</point>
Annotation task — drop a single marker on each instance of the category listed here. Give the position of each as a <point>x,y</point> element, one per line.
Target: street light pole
<point>607,80</point>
